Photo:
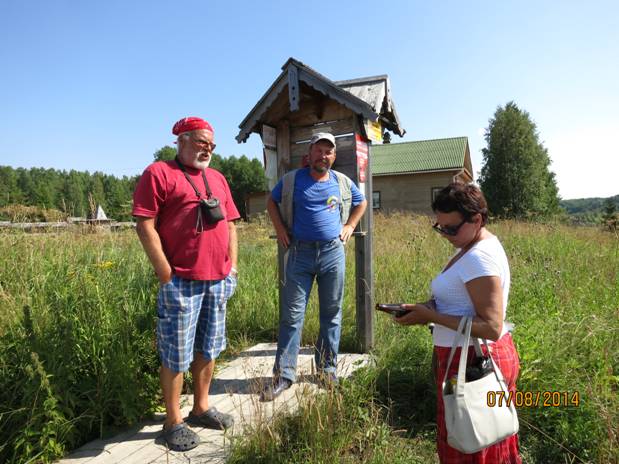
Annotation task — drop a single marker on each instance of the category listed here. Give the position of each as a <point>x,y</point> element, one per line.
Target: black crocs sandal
<point>211,419</point>
<point>180,437</point>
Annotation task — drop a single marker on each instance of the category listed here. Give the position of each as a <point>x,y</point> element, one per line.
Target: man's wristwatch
<point>234,272</point>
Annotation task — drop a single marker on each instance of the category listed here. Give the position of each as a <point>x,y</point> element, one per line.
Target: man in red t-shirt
<point>185,220</point>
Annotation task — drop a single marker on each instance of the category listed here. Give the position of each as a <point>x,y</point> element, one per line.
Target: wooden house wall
<point>256,203</point>
<point>405,192</point>
<point>410,192</point>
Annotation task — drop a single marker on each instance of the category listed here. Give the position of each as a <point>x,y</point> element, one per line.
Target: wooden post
<point>283,165</point>
<point>293,88</point>
<point>364,272</point>
<point>283,147</point>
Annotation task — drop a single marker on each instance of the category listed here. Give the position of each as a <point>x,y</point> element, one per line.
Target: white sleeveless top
<point>485,258</point>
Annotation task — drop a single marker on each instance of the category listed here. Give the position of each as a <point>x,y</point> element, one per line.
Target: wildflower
<point>105,264</point>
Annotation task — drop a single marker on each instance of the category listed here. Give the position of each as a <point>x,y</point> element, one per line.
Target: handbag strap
<point>478,351</point>
<point>463,358</point>
<point>495,368</point>
<point>209,194</point>
<point>464,354</point>
<point>454,345</point>
<point>462,339</point>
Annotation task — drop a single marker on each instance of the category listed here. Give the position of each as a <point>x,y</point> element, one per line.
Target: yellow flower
<point>105,264</point>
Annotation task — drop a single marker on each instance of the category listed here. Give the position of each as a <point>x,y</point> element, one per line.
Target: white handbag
<point>471,424</point>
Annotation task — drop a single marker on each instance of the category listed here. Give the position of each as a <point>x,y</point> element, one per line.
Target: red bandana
<point>191,123</point>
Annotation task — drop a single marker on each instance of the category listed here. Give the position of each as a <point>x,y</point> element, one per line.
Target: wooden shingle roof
<point>351,94</point>
<point>376,91</point>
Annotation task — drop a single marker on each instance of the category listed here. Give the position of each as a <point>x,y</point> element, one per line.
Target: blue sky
<point>97,86</point>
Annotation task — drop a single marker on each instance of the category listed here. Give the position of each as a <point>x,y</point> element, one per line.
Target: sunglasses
<point>205,144</point>
<point>448,230</point>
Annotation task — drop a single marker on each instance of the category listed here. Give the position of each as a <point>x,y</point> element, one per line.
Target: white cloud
<point>586,161</point>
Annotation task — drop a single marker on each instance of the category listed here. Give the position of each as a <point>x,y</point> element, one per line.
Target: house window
<point>435,192</point>
<point>376,200</point>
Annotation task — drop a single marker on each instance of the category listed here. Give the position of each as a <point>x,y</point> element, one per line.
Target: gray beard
<point>201,165</point>
<point>320,169</point>
<point>194,163</point>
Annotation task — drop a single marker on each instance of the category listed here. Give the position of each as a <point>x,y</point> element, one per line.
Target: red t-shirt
<point>164,192</point>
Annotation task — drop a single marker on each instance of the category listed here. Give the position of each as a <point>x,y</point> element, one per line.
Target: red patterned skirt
<point>505,452</point>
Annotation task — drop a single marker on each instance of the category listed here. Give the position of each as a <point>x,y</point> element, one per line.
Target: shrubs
<point>80,360</point>
<point>21,213</point>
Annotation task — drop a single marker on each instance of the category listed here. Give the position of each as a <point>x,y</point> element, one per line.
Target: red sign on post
<point>362,156</point>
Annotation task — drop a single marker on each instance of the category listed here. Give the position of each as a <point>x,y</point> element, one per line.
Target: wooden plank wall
<point>345,146</point>
<point>256,203</point>
<point>409,192</point>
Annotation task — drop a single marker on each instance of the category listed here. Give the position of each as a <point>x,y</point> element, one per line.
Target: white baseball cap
<point>322,136</point>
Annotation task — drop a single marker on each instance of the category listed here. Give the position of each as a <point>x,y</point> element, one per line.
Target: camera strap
<point>209,194</point>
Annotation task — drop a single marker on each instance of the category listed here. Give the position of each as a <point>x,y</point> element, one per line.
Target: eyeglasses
<point>448,230</point>
<point>207,144</point>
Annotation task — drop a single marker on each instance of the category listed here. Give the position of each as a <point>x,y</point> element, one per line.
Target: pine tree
<point>9,189</point>
<point>165,154</point>
<point>74,193</point>
<point>515,178</point>
<point>610,218</point>
<point>96,193</point>
<point>245,176</point>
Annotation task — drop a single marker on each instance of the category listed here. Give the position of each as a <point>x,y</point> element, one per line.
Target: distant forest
<point>587,210</point>
<point>68,192</point>
<point>74,193</point>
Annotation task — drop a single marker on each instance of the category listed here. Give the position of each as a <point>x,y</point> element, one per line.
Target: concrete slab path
<point>235,390</point>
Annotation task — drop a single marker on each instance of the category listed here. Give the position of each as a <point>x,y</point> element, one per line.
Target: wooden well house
<point>357,112</point>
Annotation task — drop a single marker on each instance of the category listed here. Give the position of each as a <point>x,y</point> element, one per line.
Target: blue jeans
<point>306,261</point>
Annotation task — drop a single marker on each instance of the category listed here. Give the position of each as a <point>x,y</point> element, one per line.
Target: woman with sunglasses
<point>475,282</point>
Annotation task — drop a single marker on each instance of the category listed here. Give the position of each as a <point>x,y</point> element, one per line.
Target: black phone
<point>392,308</point>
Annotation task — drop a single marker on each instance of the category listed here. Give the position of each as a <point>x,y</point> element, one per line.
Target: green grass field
<point>78,361</point>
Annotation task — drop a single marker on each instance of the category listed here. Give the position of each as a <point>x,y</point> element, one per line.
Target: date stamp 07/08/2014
<point>533,399</point>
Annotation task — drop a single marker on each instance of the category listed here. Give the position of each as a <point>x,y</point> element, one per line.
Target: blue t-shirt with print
<point>316,206</point>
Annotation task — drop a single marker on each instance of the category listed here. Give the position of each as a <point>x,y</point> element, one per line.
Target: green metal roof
<point>422,155</point>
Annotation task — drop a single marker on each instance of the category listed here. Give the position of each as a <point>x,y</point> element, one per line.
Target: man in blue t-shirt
<point>314,212</point>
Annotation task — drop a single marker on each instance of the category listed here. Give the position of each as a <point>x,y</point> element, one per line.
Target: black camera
<point>481,367</point>
<point>211,211</point>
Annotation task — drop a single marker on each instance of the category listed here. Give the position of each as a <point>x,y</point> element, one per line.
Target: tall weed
<point>78,360</point>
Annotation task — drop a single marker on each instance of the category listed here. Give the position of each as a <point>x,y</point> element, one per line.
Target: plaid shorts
<point>505,356</point>
<point>192,318</point>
